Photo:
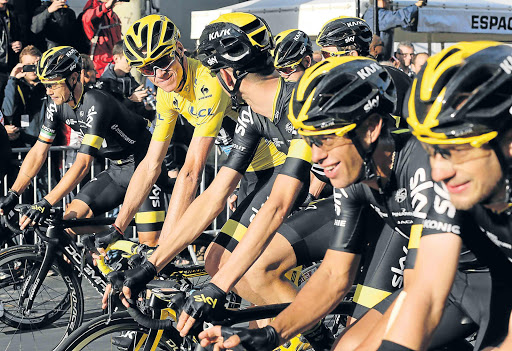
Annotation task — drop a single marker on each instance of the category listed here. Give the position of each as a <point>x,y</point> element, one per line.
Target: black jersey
<point>277,132</point>
<point>108,128</point>
<point>470,225</point>
<point>404,205</point>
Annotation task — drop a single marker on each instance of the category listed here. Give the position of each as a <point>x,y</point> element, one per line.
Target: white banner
<point>461,20</point>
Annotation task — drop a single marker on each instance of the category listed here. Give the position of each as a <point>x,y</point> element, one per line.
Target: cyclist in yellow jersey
<point>187,88</point>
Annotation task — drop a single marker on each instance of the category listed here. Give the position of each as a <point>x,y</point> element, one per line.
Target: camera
<point>123,0</point>
<point>29,68</point>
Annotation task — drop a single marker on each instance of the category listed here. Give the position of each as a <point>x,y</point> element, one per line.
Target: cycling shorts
<point>236,226</point>
<point>107,191</point>
<point>310,230</point>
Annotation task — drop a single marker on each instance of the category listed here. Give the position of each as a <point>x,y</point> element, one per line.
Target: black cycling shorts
<point>310,230</point>
<point>107,191</point>
<point>236,226</point>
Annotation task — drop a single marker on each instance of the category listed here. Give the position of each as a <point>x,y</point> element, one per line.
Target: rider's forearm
<point>30,167</point>
<point>414,318</point>
<point>260,232</point>
<point>142,181</point>
<point>316,186</point>
<point>321,294</point>
<point>183,193</point>
<point>196,219</point>
<point>69,181</point>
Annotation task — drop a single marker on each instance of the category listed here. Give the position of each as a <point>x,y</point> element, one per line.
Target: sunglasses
<point>327,54</point>
<point>288,71</point>
<point>456,154</point>
<point>163,63</point>
<point>52,85</point>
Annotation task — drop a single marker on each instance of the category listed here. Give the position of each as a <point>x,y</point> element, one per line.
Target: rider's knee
<point>348,341</point>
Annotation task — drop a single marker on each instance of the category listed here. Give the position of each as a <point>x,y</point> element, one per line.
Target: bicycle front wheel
<point>58,306</point>
<point>97,335</point>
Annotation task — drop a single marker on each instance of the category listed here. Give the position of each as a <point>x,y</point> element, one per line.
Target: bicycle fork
<point>34,281</point>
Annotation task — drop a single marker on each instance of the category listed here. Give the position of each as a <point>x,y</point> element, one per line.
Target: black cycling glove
<point>8,202</point>
<point>135,279</point>
<point>39,211</point>
<point>107,237</point>
<point>261,339</point>
<point>205,303</point>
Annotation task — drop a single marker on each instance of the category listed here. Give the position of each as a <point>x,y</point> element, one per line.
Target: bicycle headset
<point>241,41</point>
<point>337,95</point>
<point>463,95</point>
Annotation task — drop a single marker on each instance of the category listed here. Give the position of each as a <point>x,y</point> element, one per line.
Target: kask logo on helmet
<point>218,34</point>
<point>355,23</point>
<point>369,70</point>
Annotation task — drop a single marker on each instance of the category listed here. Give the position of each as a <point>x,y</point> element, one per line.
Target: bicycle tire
<point>60,297</point>
<point>97,334</point>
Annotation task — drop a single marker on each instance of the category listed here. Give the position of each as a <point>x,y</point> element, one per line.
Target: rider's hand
<point>202,304</point>
<point>131,281</point>
<point>36,214</point>
<point>251,339</point>
<point>107,237</point>
<point>8,202</point>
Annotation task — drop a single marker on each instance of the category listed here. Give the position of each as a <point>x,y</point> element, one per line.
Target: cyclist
<point>292,54</point>
<point>236,46</point>
<point>185,87</point>
<point>352,36</point>
<point>388,172</point>
<point>459,108</point>
<point>108,129</point>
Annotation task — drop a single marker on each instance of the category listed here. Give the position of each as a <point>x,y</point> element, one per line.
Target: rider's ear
<point>227,77</point>
<point>506,143</point>
<point>373,128</point>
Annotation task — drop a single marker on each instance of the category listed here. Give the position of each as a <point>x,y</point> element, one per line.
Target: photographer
<point>103,28</point>
<point>117,80</point>
<point>24,98</point>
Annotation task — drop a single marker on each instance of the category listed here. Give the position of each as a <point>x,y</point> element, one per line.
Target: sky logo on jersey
<point>244,119</point>
<point>418,183</point>
<point>201,113</point>
<point>50,110</point>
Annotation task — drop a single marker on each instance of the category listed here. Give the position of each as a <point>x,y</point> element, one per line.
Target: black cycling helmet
<point>241,41</point>
<point>463,95</point>
<point>337,95</point>
<point>346,31</point>
<point>60,62</point>
<point>291,47</point>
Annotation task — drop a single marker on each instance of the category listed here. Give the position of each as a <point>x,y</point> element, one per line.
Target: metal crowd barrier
<point>62,156</point>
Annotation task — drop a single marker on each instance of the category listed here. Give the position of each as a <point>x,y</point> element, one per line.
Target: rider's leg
<point>79,209</point>
<point>355,334</point>
<point>151,217</point>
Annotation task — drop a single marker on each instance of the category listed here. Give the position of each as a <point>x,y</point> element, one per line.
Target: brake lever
<point>109,306</point>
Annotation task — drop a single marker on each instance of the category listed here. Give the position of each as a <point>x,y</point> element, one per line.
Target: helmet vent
<point>260,37</point>
<point>448,54</point>
<point>251,26</point>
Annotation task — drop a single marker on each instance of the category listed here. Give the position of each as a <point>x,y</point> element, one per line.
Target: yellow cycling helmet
<point>150,38</point>
<point>462,95</point>
<point>340,93</point>
<point>346,31</point>
<point>292,46</point>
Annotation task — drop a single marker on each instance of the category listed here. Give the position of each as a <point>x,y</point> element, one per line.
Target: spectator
<point>24,98</point>
<point>54,23</point>
<point>10,44</point>
<point>24,10</point>
<point>404,55</point>
<point>5,155</point>
<point>103,28</point>
<point>418,61</point>
<point>88,75</point>
<point>406,18</point>
<point>377,48</point>
<point>116,79</point>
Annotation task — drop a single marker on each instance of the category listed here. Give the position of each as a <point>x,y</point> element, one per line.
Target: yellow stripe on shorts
<point>92,140</point>
<point>369,297</point>
<point>415,236</point>
<point>234,229</point>
<point>149,217</point>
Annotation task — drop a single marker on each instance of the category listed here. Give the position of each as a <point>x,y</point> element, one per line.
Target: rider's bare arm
<point>322,293</point>
<point>143,178</point>
<point>419,308</point>
<point>31,166</point>
<point>187,182</point>
<point>197,217</point>
<point>260,232</point>
<point>71,178</point>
